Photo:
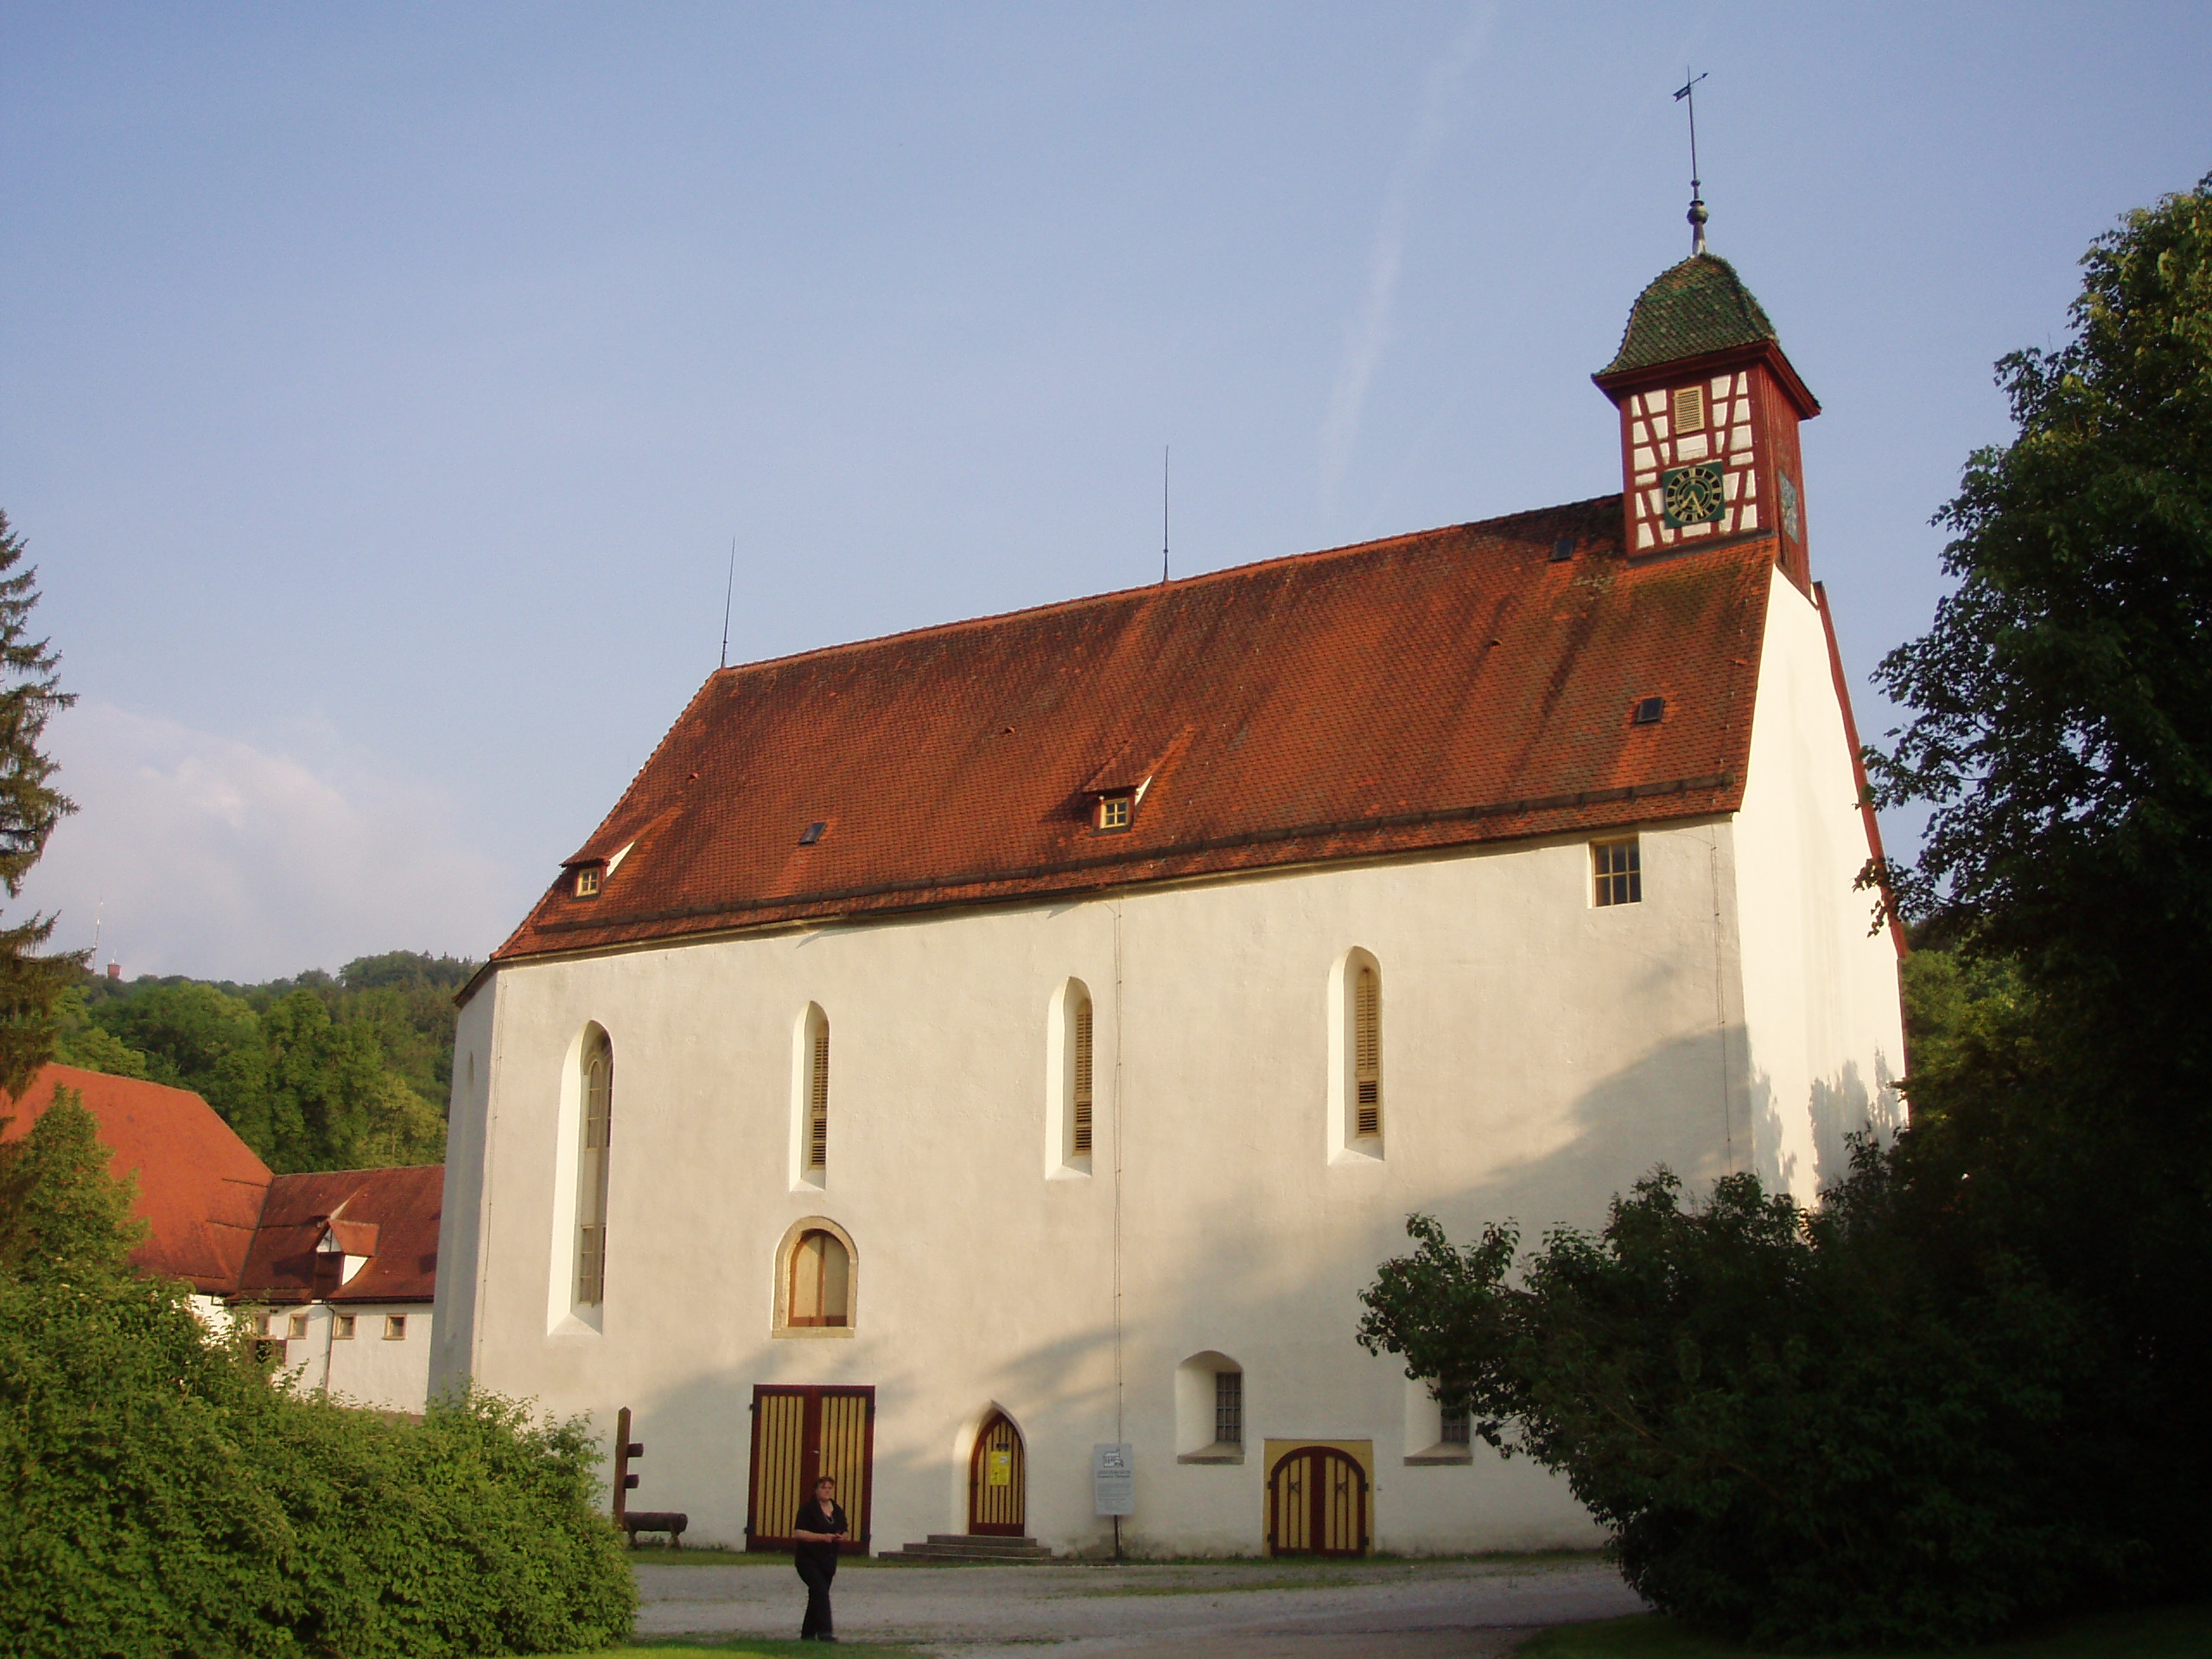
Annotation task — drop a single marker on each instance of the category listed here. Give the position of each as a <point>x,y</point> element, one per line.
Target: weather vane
<point>1697,213</point>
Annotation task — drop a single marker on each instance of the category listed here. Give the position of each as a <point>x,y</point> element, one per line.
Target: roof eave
<point>1618,383</point>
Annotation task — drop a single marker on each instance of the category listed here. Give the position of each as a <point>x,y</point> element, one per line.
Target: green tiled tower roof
<point>1700,306</point>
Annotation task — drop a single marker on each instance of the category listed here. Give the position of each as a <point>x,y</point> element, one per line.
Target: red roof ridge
<point>373,1168</point>
<point>1227,572</point>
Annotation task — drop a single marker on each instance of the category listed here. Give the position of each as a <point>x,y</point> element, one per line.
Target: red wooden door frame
<point>1316,1502</point>
<point>1019,1470</point>
<point>775,1538</point>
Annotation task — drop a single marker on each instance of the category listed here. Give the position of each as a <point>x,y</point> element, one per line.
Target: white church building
<point>961,1050</point>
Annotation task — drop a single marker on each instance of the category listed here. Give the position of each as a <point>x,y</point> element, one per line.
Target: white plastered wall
<point>1540,1055</point>
<point>1822,1016</point>
<point>368,1368</point>
<point>470,1120</point>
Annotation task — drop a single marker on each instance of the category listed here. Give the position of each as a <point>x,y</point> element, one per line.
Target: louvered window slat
<point>817,1103</point>
<point>1082,1097</point>
<point>1367,1050</point>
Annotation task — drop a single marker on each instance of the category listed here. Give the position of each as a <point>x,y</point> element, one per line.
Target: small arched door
<point>1316,1503</point>
<point>997,1480</point>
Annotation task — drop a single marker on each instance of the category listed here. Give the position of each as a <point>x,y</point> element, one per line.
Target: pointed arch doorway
<point>998,1486</point>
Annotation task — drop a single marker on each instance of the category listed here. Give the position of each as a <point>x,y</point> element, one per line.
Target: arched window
<point>1070,1082</point>
<point>1367,1049</point>
<point>598,1126</point>
<point>1210,1409</point>
<point>1356,1103</point>
<point>821,1281</point>
<point>818,1281</point>
<point>810,1100</point>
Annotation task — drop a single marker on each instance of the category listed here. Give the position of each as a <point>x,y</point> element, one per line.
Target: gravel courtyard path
<point>1247,1610</point>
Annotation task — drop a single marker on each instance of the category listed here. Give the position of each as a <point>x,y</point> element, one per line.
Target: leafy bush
<point>1795,1435</point>
<point>162,1497</point>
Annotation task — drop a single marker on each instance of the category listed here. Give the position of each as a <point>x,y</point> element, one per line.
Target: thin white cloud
<point>220,858</point>
<point>1370,334</point>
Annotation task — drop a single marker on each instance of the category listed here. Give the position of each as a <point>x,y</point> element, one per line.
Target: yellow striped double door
<point>800,1434</point>
<point>1316,1503</point>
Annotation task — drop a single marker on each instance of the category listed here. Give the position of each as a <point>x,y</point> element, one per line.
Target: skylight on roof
<point>812,834</point>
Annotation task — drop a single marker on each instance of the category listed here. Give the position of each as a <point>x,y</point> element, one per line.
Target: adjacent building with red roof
<point>960,1051</point>
<point>337,1268</point>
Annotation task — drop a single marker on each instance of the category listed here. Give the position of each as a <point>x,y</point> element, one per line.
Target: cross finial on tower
<point>1697,213</point>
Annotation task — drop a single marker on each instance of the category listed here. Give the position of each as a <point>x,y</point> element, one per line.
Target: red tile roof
<point>1456,686</point>
<point>401,1207</point>
<point>218,1218</point>
<point>199,1186</point>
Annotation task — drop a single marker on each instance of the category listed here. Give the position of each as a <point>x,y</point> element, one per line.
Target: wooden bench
<point>672,1521</point>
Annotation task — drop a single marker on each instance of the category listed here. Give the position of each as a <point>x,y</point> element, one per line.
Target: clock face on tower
<point>1692,495</point>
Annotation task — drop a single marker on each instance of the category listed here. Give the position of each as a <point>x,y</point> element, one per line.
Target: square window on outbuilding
<point>298,1327</point>
<point>395,1327</point>
<point>587,882</point>
<point>1114,811</point>
<point>1617,867</point>
<point>345,1327</point>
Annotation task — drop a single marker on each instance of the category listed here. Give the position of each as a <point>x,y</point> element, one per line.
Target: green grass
<point>2152,1633</point>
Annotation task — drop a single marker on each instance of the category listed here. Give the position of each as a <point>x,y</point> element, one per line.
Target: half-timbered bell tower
<point>1709,411</point>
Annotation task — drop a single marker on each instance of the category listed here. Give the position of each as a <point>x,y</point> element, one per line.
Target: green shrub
<point>162,1497</point>
<point>1802,1429</point>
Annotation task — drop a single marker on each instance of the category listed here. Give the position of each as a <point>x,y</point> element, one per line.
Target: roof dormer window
<point>587,882</point>
<point>1114,811</point>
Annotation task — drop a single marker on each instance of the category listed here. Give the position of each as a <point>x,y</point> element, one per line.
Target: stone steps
<point>967,1547</point>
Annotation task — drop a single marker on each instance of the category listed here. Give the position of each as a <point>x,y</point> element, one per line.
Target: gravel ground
<point>1246,1610</point>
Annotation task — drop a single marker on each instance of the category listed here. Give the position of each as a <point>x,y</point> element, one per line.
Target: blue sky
<point>385,385</point>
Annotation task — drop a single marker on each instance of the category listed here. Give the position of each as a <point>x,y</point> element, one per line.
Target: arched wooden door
<point>997,1480</point>
<point>1316,1503</point>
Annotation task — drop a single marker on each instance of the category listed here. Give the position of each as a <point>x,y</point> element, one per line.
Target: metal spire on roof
<point>1163,512</point>
<point>729,590</point>
<point>1697,214</point>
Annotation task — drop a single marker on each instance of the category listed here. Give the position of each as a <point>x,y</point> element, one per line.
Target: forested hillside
<point>314,1073</point>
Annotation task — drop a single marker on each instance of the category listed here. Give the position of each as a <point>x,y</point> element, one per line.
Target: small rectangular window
<point>1688,410</point>
<point>1228,1408</point>
<point>298,1328</point>
<point>1456,1426</point>
<point>395,1327</point>
<point>345,1331</point>
<point>1082,1051</point>
<point>1618,868</point>
<point>588,882</point>
<point>1114,811</point>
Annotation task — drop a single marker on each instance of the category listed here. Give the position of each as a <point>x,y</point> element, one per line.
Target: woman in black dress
<point>821,1523</point>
